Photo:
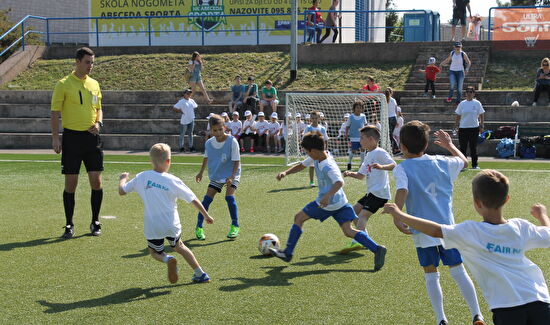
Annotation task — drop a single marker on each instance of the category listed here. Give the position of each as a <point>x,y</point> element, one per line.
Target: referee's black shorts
<point>78,147</point>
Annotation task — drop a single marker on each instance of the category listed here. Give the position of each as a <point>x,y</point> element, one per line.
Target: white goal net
<point>333,107</point>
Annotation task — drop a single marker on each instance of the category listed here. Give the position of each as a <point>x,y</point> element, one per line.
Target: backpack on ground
<point>505,148</point>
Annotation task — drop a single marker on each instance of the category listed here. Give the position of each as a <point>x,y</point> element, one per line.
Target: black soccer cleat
<point>68,233</point>
<point>280,254</point>
<point>379,257</point>
<point>478,320</point>
<point>95,228</point>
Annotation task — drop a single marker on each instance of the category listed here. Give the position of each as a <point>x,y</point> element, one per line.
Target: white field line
<point>249,165</point>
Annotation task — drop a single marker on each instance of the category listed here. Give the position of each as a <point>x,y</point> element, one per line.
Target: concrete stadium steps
<point>439,86</point>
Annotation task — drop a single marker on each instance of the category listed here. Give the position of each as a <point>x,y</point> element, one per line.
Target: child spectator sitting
<point>370,86</point>
<point>237,94</point>
<point>225,118</point>
<point>273,130</point>
<point>160,192</point>
<point>431,72</point>
<point>235,126</point>
<point>248,131</point>
<point>261,127</point>
<point>269,97</point>
<point>494,251</point>
<point>300,125</point>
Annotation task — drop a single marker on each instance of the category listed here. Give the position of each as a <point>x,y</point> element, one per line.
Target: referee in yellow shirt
<point>77,101</point>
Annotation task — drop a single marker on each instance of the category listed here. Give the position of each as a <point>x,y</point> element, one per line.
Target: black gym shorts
<point>372,202</point>
<point>78,147</point>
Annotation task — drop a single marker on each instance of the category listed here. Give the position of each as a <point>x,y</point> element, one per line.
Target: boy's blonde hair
<point>160,153</point>
<point>491,188</point>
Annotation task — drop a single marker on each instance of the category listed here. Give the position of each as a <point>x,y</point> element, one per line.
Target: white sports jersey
<point>235,127</point>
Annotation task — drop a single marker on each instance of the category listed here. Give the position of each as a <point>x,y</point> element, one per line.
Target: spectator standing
<point>269,97</point>
<point>459,66</point>
<point>186,106</point>
<point>469,121</point>
<point>392,116</point>
<point>431,72</point>
<point>332,22</point>
<point>459,15</point>
<point>195,67</point>
<point>313,24</point>
<point>543,80</point>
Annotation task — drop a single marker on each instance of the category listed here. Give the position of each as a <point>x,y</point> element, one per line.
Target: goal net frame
<point>333,106</point>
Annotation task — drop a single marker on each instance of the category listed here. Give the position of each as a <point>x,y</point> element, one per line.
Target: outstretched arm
<point>198,205</point>
<point>428,227</point>
<point>294,169</point>
<point>443,139</point>
<point>539,212</point>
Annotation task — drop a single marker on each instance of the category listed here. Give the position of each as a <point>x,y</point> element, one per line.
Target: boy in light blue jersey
<point>315,127</point>
<point>354,124</point>
<point>331,201</point>
<point>425,184</point>
<point>224,168</point>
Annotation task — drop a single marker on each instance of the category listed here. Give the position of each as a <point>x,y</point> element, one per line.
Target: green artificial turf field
<point>111,279</point>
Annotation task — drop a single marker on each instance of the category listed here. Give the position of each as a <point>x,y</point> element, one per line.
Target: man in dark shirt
<point>459,14</point>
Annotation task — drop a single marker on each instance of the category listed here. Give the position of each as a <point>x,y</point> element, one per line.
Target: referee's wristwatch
<point>100,124</point>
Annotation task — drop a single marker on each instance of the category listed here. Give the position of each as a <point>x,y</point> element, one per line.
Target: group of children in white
<point>494,250</point>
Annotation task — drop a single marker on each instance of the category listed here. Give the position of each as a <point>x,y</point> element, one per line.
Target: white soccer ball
<point>266,242</point>
<point>515,103</point>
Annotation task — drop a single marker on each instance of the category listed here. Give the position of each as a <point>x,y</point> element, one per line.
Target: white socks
<point>435,294</point>
<point>166,258</point>
<point>198,271</point>
<point>466,286</point>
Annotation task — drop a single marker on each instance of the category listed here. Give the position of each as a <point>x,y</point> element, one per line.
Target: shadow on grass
<point>333,259</point>
<point>276,278</point>
<point>290,189</point>
<point>200,243</point>
<point>37,242</point>
<point>121,297</point>
<point>142,253</point>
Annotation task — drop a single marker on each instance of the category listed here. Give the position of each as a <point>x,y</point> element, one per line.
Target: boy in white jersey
<point>221,155</point>
<point>375,167</point>
<point>494,251</point>
<point>355,122</point>
<point>159,192</point>
<point>236,126</point>
<point>273,130</point>
<point>261,127</point>
<point>331,201</point>
<point>315,126</point>
<point>248,131</point>
<point>425,184</point>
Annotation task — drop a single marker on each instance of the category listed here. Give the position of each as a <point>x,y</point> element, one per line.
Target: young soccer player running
<point>355,122</point>
<point>494,251</point>
<point>375,167</point>
<point>315,127</point>
<point>159,191</point>
<point>425,184</point>
<point>223,159</point>
<point>331,201</point>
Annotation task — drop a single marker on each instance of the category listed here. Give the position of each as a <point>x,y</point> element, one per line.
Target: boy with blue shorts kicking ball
<point>494,251</point>
<point>331,201</point>
<point>221,154</point>
<point>159,192</point>
<point>354,123</point>
<point>425,184</point>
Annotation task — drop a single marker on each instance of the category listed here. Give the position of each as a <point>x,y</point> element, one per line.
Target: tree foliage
<point>395,33</point>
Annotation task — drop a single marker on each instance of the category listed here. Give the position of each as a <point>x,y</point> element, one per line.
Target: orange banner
<point>525,24</point>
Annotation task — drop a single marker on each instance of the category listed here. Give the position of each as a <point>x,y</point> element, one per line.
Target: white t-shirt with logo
<point>159,192</point>
<point>273,127</point>
<point>250,124</point>
<point>378,182</point>
<point>261,127</point>
<point>187,108</point>
<point>495,254</point>
<point>469,111</point>
<point>235,127</point>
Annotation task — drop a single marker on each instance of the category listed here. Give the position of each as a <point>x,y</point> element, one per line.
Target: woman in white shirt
<point>392,116</point>
<point>469,121</point>
<point>459,66</point>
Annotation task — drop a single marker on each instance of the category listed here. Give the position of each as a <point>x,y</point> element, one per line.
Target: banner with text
<point>262,21</point>
<point>522,24</point>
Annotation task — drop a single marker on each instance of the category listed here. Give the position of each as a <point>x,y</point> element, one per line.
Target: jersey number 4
<point>430,189</point>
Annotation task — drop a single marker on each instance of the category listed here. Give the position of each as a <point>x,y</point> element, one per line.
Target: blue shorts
<point>342,215</point>
<point>431,255</point>
<point>355,146</point>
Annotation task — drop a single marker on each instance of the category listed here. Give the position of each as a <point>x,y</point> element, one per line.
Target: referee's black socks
<point>68,204</point>
<point>97,197</point>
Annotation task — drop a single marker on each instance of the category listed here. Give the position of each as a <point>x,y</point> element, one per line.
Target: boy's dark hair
<point>81,52</point>
<point>268,82</point>
<point>371,78</point>
<point>238,76</point>
<point>215,120</point>
<point>356,104</point>
<point>313,140</point>
<point>371,131</point>
<point>414,136</point>
<point>471,88</point>
<point>491,188</point>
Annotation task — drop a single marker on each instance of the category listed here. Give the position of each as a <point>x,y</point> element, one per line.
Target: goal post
<point>334,107</point>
